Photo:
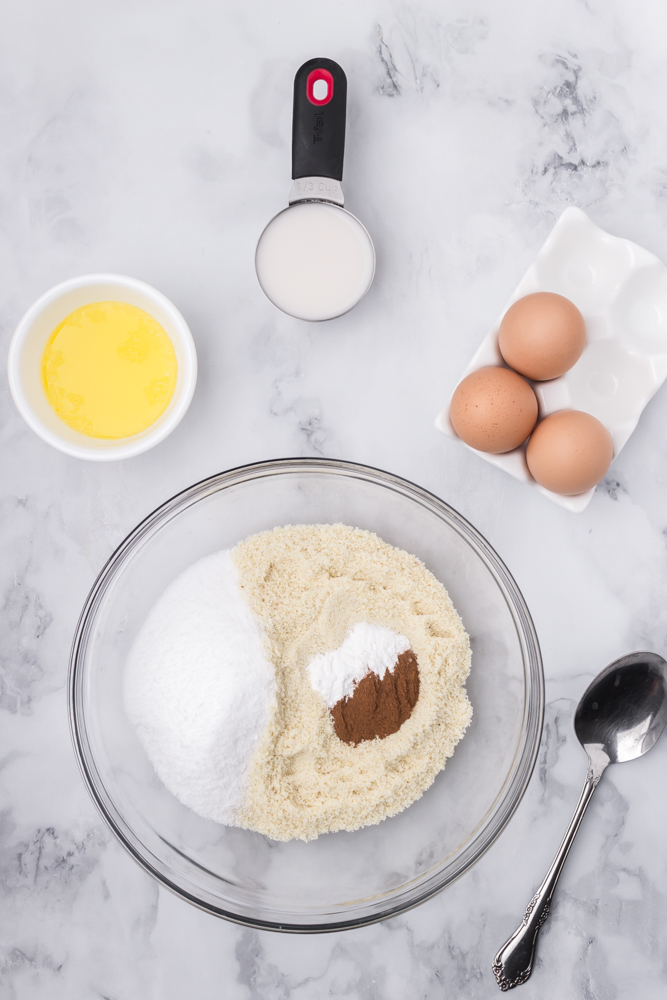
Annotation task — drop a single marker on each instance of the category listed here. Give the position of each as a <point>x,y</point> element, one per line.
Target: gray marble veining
<point>153,139</point>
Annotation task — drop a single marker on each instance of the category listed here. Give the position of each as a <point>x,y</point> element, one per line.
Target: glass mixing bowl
<point>342,879</point>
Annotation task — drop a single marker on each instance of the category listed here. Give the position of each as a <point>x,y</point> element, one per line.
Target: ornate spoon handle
<point>513,964</point>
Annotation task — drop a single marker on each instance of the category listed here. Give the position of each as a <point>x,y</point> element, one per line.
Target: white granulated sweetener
<point>199,688</point>
<point>366,647</point>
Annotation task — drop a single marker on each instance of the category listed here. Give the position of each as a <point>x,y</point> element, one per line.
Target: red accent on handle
<point>313,77</point>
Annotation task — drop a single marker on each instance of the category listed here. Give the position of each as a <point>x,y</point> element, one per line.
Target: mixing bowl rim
<point>511,792</point>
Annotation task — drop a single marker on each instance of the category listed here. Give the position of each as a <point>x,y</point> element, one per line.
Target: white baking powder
<point>366,647</point>
<point>199,688</point>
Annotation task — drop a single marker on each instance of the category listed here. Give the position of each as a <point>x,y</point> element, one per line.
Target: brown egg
<point>542,335</point>
<point>569,452</point>
<point>494,410</point>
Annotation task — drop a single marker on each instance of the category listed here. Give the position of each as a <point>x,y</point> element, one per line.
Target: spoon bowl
<point>624,710</point>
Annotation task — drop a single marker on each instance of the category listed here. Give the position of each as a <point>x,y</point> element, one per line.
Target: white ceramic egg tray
<point>621,290</point>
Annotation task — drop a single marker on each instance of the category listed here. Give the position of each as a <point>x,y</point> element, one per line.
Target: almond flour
<point>309,585</point>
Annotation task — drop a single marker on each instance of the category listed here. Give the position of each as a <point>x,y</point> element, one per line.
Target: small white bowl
<point>29,341</point>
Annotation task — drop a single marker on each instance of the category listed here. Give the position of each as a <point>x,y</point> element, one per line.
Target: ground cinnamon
<point>378,706</point>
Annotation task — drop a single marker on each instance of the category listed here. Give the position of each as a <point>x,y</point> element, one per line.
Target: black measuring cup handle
<point>318,126</point>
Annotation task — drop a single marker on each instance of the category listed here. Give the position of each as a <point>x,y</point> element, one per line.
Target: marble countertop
<point>152,138</point>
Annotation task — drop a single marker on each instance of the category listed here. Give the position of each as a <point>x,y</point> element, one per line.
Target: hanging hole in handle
<point>320,90</point>
<point>319,86</point>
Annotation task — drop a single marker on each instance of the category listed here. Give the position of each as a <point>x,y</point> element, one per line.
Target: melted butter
<point>109,370</point>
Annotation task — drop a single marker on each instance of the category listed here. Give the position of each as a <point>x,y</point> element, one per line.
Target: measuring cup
<point>315,260</point>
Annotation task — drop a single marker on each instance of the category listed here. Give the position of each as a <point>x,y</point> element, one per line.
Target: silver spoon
<point>620,716</point>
